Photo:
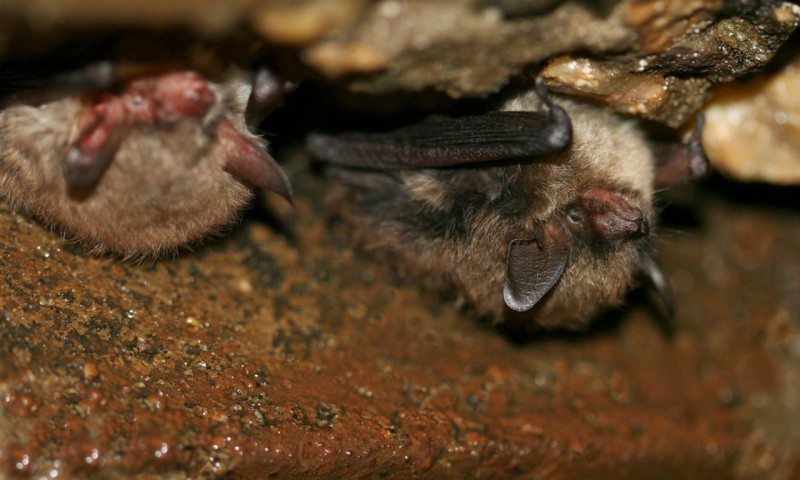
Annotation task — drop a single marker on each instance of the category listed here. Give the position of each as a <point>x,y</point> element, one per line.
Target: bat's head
<point>161,161</point>
<point>581,260</point>
<point>590,241</point>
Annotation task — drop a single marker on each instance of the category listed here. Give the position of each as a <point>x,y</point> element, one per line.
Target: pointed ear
<point>250,164</point>
<point>534,266</point>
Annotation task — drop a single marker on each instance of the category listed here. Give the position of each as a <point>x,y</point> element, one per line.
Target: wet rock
<point>753,128</point>
<point>269,353</point>
<point>462,50</point>
<point>668,53</point>
<point>669,99</point>
<point>286,22</point>
<point>681,49</point>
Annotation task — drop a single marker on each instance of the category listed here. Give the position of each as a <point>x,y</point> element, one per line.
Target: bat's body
<point>158,162</point>
<point>556,236</point>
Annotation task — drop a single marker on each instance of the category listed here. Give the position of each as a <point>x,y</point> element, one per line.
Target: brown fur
<point>165,186</point>
<point>451,227</point>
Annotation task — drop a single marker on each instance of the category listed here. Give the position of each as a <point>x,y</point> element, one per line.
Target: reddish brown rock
<point>289,354</point>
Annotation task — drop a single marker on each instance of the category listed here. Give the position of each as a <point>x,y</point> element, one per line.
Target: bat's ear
<point>533,267</point>
<point>251,164</point>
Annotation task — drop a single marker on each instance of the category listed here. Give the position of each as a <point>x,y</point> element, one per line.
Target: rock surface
<point>754,127</point>
<point>281,352</point>
<point>668,53</point>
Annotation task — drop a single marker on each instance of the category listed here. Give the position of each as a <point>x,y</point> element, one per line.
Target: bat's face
<point>595,216</point>
<point>590,251</point>
<point>600,215</point>
<point>165,159</point>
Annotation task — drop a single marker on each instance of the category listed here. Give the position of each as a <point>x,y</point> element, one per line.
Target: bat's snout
<point>609,215</point>
<point>639,227</point>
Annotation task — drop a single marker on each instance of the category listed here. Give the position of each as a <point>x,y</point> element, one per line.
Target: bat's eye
<point>574,216</point>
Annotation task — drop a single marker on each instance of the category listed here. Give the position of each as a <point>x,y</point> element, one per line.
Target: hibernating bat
<point>139,163</point>
<point>538,212</point>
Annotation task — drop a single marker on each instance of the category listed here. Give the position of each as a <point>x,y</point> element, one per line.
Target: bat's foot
<point>558,134</point>
<point>658,282</point>
<point>676,164</point>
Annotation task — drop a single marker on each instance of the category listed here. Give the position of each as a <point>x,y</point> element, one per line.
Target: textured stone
<point>462,47</point>
<point>278,350</point>
<point>753,128</point>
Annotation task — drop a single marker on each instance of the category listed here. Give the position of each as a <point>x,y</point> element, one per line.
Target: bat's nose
<point>622,224</point>
<point>639,227</point>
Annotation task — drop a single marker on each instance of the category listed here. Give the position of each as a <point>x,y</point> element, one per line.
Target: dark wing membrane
<point>440,141</point>
<point>37,81</point>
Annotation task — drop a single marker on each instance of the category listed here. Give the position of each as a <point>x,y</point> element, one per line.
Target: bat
<point>539,212</point>
<point>137,160</point>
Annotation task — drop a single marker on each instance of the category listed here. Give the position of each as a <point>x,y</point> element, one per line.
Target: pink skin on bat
<point>606,215</point>
<point>101,134</point>
<point>164,99</point>
<point>168,98</point>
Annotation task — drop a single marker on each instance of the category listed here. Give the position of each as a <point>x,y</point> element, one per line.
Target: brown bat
<point>539,212</point>
<point>138,163</point>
